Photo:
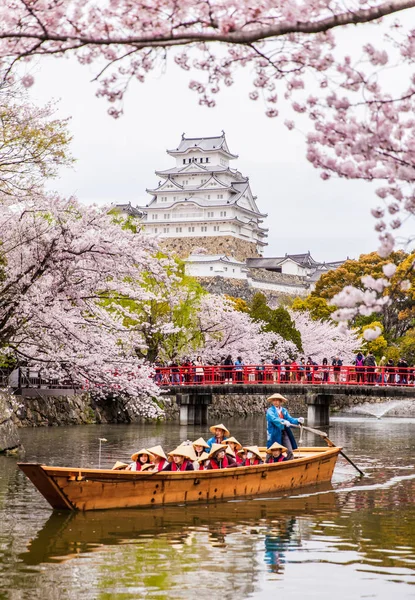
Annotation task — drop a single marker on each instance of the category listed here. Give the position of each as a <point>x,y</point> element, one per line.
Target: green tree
<point>277,320</point>
<point>33,144</point>
<point>407,346</point>
<point>377,346</point>
<point>239,303</point>
<point>318,308</point>
<point>168,320</point>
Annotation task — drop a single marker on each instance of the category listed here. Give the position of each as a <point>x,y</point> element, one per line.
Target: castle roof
<point>304,260</point>
<point>197,169</point>
<point>209,258</point>
<point>128,209</point>
<point>205,144</point>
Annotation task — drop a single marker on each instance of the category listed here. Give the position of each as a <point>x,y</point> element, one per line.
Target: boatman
<point>279,422</point>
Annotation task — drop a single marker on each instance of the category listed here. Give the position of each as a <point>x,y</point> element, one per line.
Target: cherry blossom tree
<point>323,339</point>
<point>67,270</point>
<point>225,330</point>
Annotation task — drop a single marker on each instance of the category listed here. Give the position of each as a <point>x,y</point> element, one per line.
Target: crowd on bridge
<point>363,370</point>
<point>222,450</point>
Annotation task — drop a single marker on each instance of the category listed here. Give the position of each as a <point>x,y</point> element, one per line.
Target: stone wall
<point>81,409</point>
<point>9,439</point>
<point>239,288</point>
<point>231,246</point>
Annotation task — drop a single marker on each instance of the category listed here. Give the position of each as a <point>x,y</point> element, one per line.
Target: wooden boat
<point>91,489</point>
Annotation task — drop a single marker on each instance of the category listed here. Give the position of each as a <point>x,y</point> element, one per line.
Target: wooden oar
<point>332,445</point>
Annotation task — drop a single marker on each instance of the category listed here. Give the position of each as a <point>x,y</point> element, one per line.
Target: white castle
<point>202,198</point>
<point>205,211</point>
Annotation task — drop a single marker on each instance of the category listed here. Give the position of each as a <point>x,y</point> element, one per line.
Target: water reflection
<point>64,535</point>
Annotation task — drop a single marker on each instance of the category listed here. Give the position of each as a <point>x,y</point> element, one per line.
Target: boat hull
<point>94,489</point>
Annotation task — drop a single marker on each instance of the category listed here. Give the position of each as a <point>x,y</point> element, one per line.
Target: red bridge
<point>194,386</point>
<point>270,374</point>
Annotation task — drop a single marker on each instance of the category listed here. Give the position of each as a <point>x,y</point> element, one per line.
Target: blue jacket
<point>211,441</point>
<point>275,427</point>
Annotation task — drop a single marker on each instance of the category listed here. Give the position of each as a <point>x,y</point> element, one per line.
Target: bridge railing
<point>269,374</point>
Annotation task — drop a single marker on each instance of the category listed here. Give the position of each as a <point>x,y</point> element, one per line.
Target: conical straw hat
<point>254,450</point>
<point>148,466</point>
<point>190,449</point>
<point>157,451</point>
<point>275,446</point>
<point>235,441</point>
<point>185,451</point>
<point>277,397</point>
<point>230,451</point>
<point>220,426</point>
<point>119,466</point>
<point>203,457</point>
<point>135,456</point>
<point>215,448</point>
<point>200,442</point>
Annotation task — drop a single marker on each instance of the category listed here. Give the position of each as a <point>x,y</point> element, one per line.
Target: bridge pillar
<point>193,408</point>
<point>318,413</point>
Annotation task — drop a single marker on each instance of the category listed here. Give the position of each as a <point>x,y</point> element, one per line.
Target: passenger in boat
<point>241,457</point>
<point>181,460</point>
<point>253,457</point>
<point>275,453</point>
<point>218,459</point>
<point>159,457</point>
<point>200,446</point>
<point>279,423</point>
<point>220,435</point>
<point>120,466</point>
<point>234,445</point>
<point>141,458</point>
<point>203,461</point>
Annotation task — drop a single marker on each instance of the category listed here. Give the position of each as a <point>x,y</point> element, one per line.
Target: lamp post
<point>99,454</point>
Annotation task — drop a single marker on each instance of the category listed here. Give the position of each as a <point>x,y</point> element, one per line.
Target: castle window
<point>223,213</point>
<point>206,160</point>
<point>208,196</point>
<point>203,228</point>
<point>190,229</point>
<point>178,229</point>
<point>166,229</point>
<point>155,230</point>
<point>211,268</point>
<point>210,214</point>
<point>167,216</point>
<point>225,268</point>
<point>184,161</point>
<point>220,196</point>
<point>216,228</point>
<point>154,217</point>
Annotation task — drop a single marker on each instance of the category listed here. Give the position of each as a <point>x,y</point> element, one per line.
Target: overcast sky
<point>116,159</point>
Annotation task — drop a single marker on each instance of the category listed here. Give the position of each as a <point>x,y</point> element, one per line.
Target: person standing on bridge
<point>279,423</point>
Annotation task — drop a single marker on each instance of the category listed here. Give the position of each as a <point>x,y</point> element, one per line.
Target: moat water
<point>352,539</point>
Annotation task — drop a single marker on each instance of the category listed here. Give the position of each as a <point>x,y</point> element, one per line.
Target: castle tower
<point>203,202</point>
